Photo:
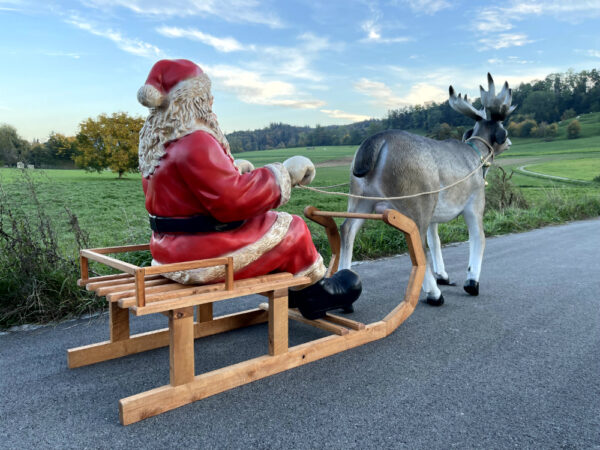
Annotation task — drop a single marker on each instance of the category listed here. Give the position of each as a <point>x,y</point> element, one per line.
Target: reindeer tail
<point>367,155</point>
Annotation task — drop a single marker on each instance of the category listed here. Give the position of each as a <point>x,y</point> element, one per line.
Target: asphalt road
<point>518,366</point>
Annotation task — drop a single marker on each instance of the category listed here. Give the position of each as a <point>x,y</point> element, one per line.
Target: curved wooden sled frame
<point>142,290</point>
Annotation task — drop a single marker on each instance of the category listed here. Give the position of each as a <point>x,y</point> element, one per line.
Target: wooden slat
<point>117,282</point>
<point>81,282</point>
<point>158,281</point>
<point>210,297</point>
<point>116,296</point>
<point>156,401</point>
<point>104,351</point>
<point>187,290</point>
<point>187,265</point>
<point>111,262</point>
<point>348,323</point>
<point>294,314</point>
<point>121,249</point>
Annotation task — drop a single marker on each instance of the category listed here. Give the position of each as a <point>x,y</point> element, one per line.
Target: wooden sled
<point>142,290</point>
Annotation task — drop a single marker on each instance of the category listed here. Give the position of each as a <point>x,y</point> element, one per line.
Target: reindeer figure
<point>395,163</point>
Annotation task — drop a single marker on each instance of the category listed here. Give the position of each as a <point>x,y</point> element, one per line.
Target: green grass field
<point>585,169</point>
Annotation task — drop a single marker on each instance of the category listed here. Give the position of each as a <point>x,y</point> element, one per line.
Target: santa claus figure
<point>202,205</point>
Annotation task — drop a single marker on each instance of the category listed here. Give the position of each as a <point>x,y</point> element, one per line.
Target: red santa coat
<point>196,177</point>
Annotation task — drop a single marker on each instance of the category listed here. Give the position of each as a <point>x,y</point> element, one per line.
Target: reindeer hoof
<point>435,301</point>
<point>472,287</point>
<point>441,281</point>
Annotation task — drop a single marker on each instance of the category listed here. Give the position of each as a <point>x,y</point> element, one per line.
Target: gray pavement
<point>518,366</point>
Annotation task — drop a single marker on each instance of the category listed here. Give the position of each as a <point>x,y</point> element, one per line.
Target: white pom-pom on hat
<point>150,97</point>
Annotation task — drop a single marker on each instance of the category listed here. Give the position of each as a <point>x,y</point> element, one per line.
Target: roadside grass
<point>112,212</point>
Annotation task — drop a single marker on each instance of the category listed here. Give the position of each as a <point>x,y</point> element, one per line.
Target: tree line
<point>111,141</point>
<point>557,97</point>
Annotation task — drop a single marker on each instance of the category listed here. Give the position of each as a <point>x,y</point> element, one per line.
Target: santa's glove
<point>243,165</point>
<point>301,169</point>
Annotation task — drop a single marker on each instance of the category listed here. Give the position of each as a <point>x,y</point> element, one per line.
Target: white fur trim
<point>283,180</point>
<point>150,97</point>
<point>316,271</point>
<point>241,258</point>
<point>198,86</point>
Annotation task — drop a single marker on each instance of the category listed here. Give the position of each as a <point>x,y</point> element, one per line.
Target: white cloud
<point>63,54</point>
<point>244,11</point>
<point>379,92</point>
<point>504,40</point>
<point>594,53</point>
<point>133,46</point>
<point>383,96</point>
<point>428,6</point>
<point>4,108</point>
<point>337,114</point>
<point>251,87</point>
<point>373,30</point>
<point>493,21</point>
<point>296,61</point>
<point>225,45</point>
<point>498,19</point>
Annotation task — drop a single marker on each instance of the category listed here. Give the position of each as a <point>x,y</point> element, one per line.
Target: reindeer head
<point>496,108</point>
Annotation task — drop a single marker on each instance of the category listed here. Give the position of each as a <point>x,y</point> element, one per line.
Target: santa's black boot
<point>338,291</point>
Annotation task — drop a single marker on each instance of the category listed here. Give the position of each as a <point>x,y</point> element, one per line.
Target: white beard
<point>187,111</point>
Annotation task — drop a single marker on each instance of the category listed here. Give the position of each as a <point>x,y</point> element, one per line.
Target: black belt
<point>194,224</point>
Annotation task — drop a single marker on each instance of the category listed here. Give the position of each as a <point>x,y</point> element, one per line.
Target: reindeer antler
<point>464,107</point>
<point>495,107</point>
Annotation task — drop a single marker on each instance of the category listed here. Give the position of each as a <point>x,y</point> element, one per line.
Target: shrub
<point>568,114</point>
<point>38,279</point>
<point>526,127</point>
<point>574,129</point>
<point>501,192</point>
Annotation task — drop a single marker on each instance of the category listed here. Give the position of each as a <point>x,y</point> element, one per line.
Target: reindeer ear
<point>500,135</point>
<point>467,134</point>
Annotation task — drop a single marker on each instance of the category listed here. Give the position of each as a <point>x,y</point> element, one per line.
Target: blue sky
<point>302,62</point>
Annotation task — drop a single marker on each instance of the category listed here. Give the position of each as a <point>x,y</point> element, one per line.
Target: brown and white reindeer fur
<point>395,163</point>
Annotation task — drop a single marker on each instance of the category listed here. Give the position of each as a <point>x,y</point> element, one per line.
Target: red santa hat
<point>168,74</point>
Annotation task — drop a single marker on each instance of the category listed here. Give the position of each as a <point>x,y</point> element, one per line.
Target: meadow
<point>111,211</point>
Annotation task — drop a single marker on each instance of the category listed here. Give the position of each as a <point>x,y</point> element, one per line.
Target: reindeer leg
<point>435,252</point>
<point>430,287</point>
<point>473,215</point>
<point>350,227</point>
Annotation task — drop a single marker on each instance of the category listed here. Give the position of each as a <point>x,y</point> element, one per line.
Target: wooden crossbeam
<point>294,314</point>
<point>107,350</point>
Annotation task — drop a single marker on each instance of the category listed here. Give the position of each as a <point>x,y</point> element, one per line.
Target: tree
<point>573,129</point>
<point>13,147</point>
<point>109,142</point>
